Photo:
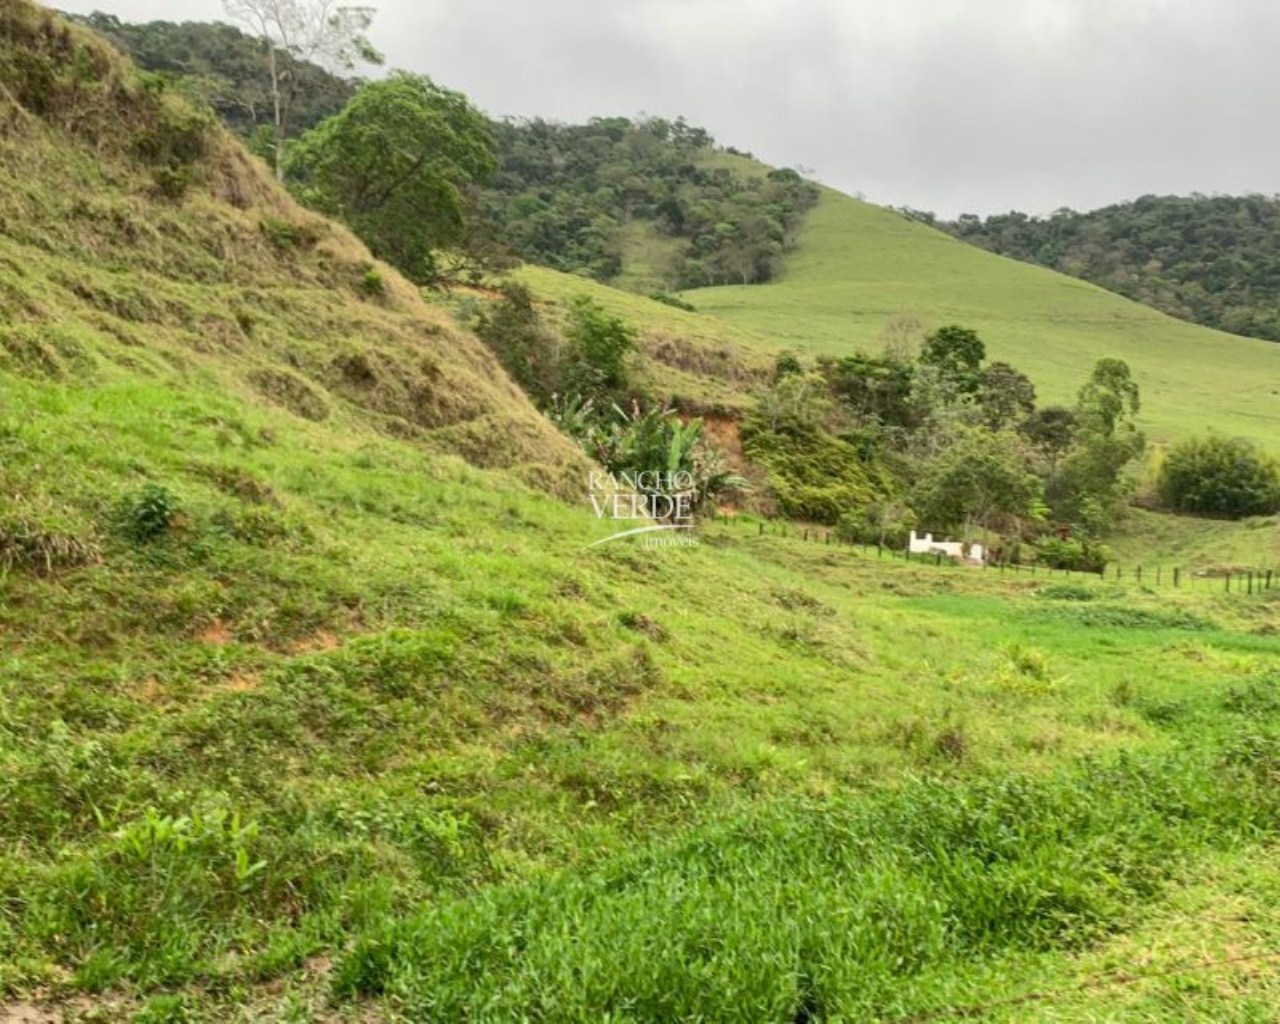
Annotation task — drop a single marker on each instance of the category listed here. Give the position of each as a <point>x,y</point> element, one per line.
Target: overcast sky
<point>948,105</point>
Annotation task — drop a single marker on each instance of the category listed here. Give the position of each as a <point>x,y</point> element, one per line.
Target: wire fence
<point>1230,580</point>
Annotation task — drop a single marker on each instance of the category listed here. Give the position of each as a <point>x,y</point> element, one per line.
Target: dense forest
<point>566,196</point>
<point>225,68</point>
<point>1214,260</point>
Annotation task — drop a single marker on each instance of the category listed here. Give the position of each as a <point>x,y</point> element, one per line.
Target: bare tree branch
<point>323,32</point>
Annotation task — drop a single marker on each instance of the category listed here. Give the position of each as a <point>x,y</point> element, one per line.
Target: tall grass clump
<point>845,909</point>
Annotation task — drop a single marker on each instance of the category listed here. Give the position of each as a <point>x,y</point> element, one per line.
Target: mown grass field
<point>858,265</point>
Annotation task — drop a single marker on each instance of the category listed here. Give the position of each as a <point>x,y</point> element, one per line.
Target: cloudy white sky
<point>949,105</point>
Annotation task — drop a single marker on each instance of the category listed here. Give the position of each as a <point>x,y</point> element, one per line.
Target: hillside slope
<point>700,363</point>
<point>858,265</point>
<point>140,243</point>
<point>1214,260</point>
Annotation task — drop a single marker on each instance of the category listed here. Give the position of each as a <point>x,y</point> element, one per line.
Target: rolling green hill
<point>858,265</point>
<point>1214,260</point>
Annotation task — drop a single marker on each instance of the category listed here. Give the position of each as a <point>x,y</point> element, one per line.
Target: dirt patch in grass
<point>217,633</point>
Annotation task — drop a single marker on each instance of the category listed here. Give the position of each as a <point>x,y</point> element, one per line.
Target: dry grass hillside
<point>138,237</point>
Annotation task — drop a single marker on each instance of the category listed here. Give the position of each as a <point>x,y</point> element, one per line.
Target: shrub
<point>515,333</point>
<point>1219,476</point>
<point>883,522</point>
<point>599,344</point>
<point>147,513</point>
<point>1077,555</point>
<point>172,182</point>
<point>652,441</point>
<point>813,475</point>
<point>287,235</point>
<point>786,365</point>
<point>674,301</point>
<point>372,285</point>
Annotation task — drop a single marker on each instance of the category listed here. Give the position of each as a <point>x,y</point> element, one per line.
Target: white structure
<point>926,545</point>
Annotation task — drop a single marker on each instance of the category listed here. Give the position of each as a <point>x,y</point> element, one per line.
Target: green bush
<point>1077,555</point>
<point>514,331</point>
<point>372,284</point>
<point>287,235</point>
<point>814,476</point>
<point>599,344</point>
<point>674,301</point>
<point>1219,476</point>
<point>653,441</point>
<point>886,522</point>
<point>147,513</point>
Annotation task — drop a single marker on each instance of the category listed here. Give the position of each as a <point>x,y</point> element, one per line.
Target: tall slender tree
<point>324,32</point>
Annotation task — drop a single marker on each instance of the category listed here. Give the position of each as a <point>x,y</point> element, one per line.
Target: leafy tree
<point>395,164</point>
<point>599,344</point>
<point>311,31</point>
<point>902,336</point>
<point>795,401</point>
<point>884,521</point>
<point>981,478</point>
<point>873,390</point>
<point>1218,476</point>
<point>1109,399</point>
<point>564,194</point>
<point>957,352</point>
<point>224,68</point>
<point>1051,430</point>
<point>1089,488</point>
<point>1005,395</point>
<point>528,350</point>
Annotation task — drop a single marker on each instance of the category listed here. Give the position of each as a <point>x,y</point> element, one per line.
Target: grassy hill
<point>699,361</point>
<point>315,705</point>
<point>1214,260</point>
<point>858,265</point>
<point>143,248</point>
